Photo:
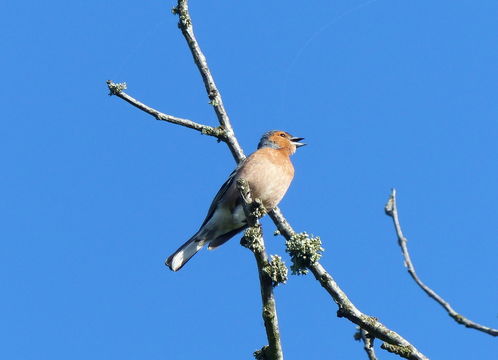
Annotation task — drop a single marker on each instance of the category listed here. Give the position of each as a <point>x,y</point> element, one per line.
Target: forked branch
<point>393,341</point>
<point>363,336</point>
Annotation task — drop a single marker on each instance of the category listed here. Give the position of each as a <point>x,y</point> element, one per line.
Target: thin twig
<point>117,90</point>
<point>392,211</point>
<point>367,340</point>
<point>253,240</point>
<point>185,25</point>
<point>346,307</point>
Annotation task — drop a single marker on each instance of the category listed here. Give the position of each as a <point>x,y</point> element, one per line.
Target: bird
<point>269,173</point>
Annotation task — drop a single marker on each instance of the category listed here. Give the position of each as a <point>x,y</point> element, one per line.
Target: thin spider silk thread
<point>119,74</point>
<point>308,43</point>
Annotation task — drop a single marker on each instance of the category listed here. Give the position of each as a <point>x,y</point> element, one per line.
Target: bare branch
<point>369,323</point>
<point>392,211</point>
<point>395,343</point>
<point>117,90</point>
<point>253,240</point>
<point>225,131</point>
<point>185,25</point>
<point>346,307</point>
<point>367,340</point>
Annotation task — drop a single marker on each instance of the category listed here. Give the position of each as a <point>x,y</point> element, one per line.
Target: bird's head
<point>277,139</point>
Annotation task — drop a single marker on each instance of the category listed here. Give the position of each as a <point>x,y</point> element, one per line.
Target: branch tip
<point>389,207</point>
<point>186,27</point>
<point>115,88</point>
<point>402,242</point>
<point>183,14</point>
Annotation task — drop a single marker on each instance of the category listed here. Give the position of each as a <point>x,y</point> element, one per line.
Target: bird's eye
<point>282,135</point>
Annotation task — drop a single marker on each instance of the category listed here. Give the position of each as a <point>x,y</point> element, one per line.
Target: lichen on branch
<point>276,270</point>
<point>304,250</point>
<point>115,88</point>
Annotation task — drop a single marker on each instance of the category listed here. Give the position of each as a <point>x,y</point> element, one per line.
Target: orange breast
<point>269,173</point>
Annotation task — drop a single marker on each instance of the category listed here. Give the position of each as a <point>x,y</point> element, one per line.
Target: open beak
<point>296,141</point>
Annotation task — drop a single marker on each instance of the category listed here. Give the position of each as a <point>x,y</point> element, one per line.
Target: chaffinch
<point>268,172</point>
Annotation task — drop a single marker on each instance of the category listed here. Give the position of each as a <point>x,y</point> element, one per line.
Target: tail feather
<point>180,257</point>
<point>220,240</point>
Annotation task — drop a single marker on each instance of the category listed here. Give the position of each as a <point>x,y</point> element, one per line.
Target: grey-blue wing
<point>220,194</point>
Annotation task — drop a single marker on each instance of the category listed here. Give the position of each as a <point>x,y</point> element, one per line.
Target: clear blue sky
<point>96,194</point>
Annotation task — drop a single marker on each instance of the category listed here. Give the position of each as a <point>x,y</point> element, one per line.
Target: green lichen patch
<point>262,354</point>
<point>252,239</point>
<point>214,131</point>
<point>276,270</point>
<point>403,351</point>
<point>115,88</point>
<point>304,250</point>
<point>258,210</point>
